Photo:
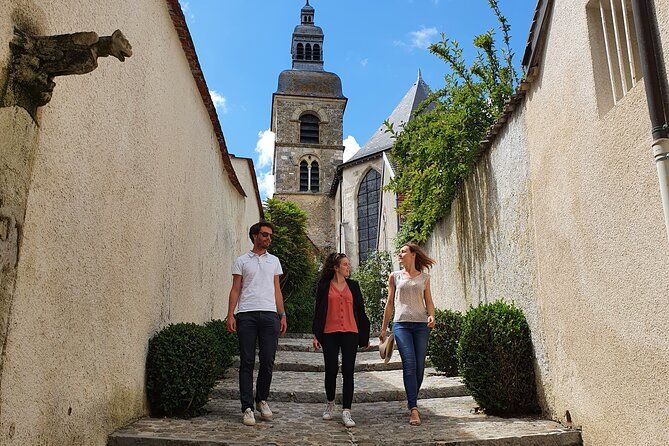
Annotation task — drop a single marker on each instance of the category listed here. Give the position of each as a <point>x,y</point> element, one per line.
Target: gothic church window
<point>309,133</point>
<point>369,197</point>
<point>308,52</point>
<point>300,51</point>
<point>317,52</point>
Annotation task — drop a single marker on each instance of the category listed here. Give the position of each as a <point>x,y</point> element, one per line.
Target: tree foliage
<point>437,149</point>
<point>295,251</point>
<point>373,278</point>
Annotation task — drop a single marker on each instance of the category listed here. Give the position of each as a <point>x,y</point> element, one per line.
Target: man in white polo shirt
<point>260,316</point>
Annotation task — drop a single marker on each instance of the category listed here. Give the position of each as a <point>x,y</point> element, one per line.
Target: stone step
<point>446,422</point>
<point>298,335</point>
<point>305,345</point>
<point>307,387</point>
<point>292,361</point>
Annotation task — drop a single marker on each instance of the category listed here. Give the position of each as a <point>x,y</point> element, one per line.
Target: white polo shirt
<point>257,273</point>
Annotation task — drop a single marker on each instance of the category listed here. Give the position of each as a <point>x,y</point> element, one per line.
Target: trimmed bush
<point>227,345</point>
<point>180,369</point>
<point>496,360</point>
<point>444,339</point>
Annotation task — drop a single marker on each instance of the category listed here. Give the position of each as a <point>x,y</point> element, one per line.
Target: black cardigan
<point>321,311</point>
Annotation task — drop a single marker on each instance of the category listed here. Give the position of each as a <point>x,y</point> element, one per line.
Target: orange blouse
<point>340,316</point>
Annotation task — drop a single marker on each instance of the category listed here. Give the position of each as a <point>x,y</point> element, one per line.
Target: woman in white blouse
<point>410,299</point>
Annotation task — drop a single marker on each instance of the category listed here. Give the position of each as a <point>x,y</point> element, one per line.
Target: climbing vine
<point>438,148</point>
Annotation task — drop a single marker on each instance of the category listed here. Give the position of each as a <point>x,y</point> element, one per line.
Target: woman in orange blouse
<point>340,323</point>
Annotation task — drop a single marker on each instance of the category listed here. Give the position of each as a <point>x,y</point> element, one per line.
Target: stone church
<point>347,207</point>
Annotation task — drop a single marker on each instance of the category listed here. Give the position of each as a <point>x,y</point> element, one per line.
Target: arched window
<point>313,180</point>
<point>368,213</point>
<point>317,52</point>
<point>309,176</point>
<point>309,133</point>
<point>308,52</point>
<point>304,176</point>
<point>300,51</point>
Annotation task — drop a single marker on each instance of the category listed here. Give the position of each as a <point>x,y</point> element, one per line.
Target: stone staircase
<point>379,409</point>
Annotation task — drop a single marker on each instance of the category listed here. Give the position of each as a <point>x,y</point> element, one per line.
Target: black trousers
<point>262,326</point>
<point>332,344</point>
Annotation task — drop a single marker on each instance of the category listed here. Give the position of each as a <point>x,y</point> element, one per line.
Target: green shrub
<point>444,339</point>
<point>496,360</point>
<point>372,276</point>
<point>180,369</point>
<point>227,345</point>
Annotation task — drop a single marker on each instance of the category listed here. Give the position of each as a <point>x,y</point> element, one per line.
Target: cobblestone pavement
<point>296,361</point>
<point>445,422</point>
<point>379,411</point>
<point>308,387</point>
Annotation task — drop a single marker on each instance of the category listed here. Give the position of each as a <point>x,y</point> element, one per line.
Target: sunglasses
<point>265,234</point>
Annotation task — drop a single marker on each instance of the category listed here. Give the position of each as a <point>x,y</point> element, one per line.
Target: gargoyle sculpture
<point>37,60</point>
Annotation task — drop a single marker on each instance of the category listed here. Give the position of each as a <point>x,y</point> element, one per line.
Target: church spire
<point>307,47</point>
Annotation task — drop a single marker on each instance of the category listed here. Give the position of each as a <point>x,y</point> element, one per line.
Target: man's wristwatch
<point>282,314</point>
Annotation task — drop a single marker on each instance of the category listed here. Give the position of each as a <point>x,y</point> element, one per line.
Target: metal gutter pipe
<point>648,55</point>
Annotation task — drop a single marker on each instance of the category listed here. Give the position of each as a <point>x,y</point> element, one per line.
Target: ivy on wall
<point>438,148</point>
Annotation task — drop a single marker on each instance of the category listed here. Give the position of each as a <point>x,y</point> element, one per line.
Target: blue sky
<point>376,47</point>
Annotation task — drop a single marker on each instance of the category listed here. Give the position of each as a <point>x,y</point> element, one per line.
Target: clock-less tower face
<point>307,118</point>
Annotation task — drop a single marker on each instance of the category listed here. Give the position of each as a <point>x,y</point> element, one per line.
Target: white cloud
<point>266,185</point>
<point>420,39</point>
<point>265,151</point>
<point>265,148</point>
<point>364,62</point>
<point>351,146</point>
<point>220,101</point>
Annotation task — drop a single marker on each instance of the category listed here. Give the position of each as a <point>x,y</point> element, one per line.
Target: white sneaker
<point>249,419</point>
<point>265,412</point>
<point>327,414</point>
<point>346,419</point>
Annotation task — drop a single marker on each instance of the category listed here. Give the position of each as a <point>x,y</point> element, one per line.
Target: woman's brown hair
<point>331,262</point>
<point>423,261</point>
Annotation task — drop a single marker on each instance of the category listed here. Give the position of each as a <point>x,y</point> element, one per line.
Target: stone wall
<point>289,153</point>
<point>320,210</point>
<point>563,216</point>
<point>132,223</point>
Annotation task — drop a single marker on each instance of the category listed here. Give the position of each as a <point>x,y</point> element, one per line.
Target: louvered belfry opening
<point>309,133</point>
<point>313,180</point>
<point>304,176</point>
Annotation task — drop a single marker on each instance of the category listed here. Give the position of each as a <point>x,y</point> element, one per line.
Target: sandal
<point>414,419</point>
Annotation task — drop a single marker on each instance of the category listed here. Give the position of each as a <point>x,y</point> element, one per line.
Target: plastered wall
<point>131,223</point>
<point>563,216</point>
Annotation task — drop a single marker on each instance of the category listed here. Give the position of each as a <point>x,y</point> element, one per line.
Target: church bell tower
<point>307,118</point>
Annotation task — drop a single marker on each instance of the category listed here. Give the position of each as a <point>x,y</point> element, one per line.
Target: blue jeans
<point>411,339</point>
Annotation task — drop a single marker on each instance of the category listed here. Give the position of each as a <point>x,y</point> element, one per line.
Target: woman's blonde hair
<point>423,261</point>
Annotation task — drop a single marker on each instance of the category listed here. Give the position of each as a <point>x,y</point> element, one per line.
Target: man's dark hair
<point>255,229</point>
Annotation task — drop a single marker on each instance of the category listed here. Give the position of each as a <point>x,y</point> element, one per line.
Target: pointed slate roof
<point>382,140</point>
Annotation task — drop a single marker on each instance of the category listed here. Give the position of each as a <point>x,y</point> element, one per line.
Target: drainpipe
<point>658,117</point>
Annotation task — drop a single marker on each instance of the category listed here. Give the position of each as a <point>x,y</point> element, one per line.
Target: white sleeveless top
<point>409,300</point>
